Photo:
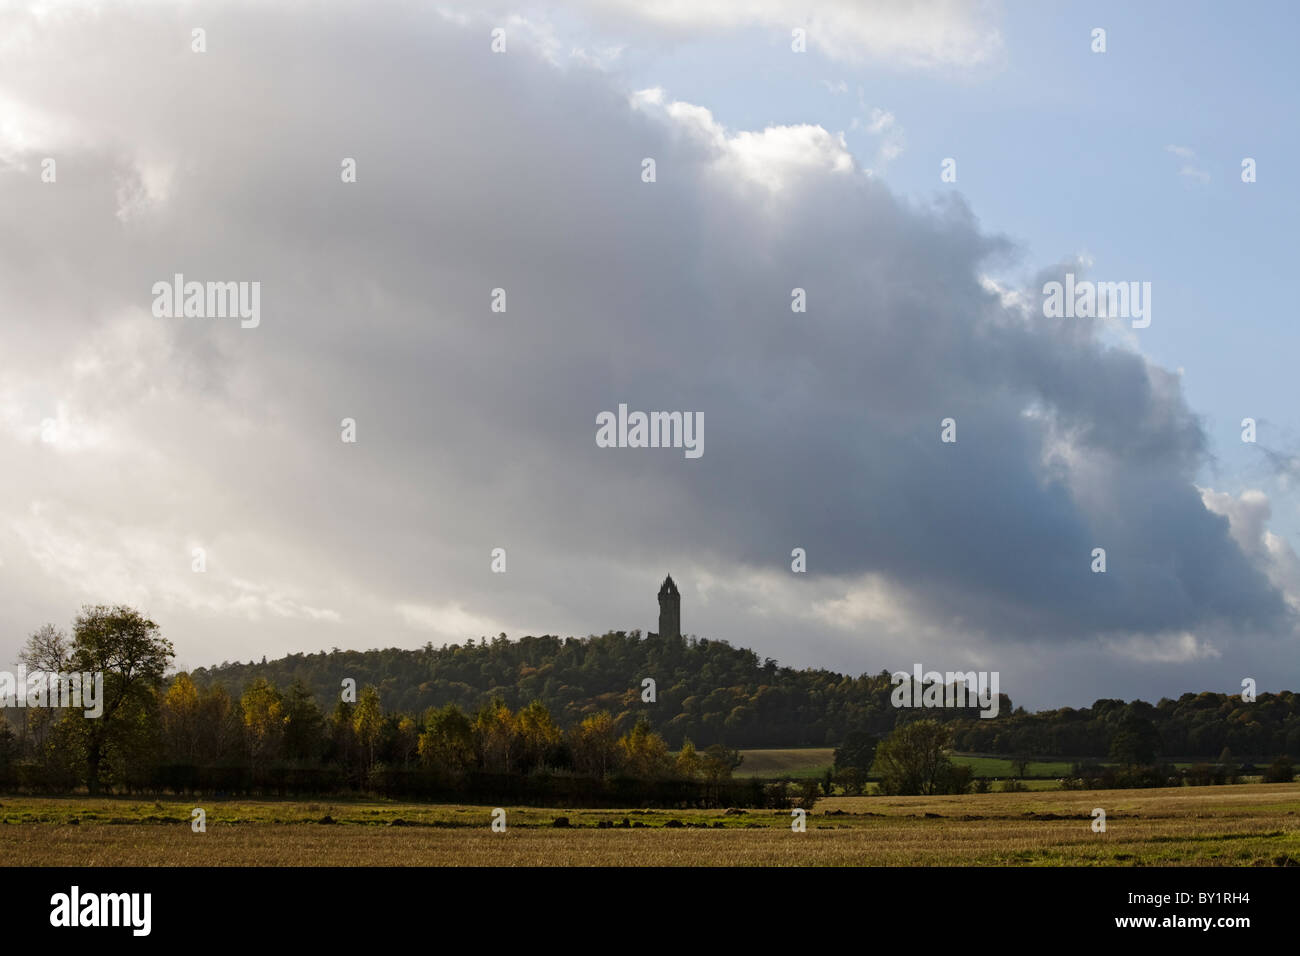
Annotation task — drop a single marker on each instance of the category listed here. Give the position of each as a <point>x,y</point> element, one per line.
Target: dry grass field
<point>1248,825</point>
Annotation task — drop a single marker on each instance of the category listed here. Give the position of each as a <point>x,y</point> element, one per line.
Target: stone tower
<point>670,609</point>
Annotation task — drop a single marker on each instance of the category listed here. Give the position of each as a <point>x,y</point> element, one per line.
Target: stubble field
<point>1246,825</point>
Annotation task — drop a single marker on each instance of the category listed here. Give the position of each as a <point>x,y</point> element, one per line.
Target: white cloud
<point>1181,648</point>
<point>449,622</point>
<point>870,602</point>
<point>915,33</point>
<point>1189,170</point>
<point>773,157</point>
<point>1248,515</point>
<point>108,561</point>
<point>884,124</point>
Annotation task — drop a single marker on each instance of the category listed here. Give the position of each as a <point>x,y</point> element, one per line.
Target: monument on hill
<point>670,610</point>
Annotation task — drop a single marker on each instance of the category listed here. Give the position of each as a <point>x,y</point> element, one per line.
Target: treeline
<point>1095,776</point>
<point>533,718</point>
<point>1194,725</point>
<point>158,734</point>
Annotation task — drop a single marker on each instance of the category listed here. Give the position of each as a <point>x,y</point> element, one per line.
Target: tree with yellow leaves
<point>496,733</point>
<point>182,720</point>
<point>594,745</point>
<point>689,762</point>
<point>367,722</point>
<point>538,735</point>
<point>643,753</point>
<point>263,712</point>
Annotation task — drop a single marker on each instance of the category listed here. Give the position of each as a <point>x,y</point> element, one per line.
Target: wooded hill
<point>711,692</point>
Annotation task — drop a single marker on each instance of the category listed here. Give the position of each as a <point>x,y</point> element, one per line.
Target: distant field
<point>1255,824</point>
<point>803,762</point>
<point>796,762</point>
<point>1001,767</point>
<point>1031,784</point>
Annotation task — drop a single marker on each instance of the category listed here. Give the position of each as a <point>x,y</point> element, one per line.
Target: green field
<point>1001,767</point>
<point>804,762</point>
<point>1246,825</point>
<point>798,763</point>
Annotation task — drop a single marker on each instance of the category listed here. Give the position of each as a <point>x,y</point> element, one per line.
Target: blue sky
<point>1065,152</point>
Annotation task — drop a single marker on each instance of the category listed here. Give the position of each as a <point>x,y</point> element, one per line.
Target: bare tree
<point>46,650</point>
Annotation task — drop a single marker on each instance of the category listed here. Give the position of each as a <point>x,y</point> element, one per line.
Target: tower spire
<point>670,609</point>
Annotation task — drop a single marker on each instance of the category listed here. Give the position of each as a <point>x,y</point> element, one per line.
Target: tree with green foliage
<point>718,765</point>
<point>851,780</point>
<point>304,724</point>
<point>720,762</point>
<point>1135,742</point>
<point>913,759</point>
<point>222,730</point>
<point>857,751</point>
<point>342,749</point>
<point>1281,770</point>
<point>446,743</point>
<point>128,650</point>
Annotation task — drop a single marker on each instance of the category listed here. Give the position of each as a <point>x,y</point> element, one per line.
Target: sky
<point>197,467</point>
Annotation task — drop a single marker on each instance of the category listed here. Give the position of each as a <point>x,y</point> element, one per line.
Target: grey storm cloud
<point>477,429</point>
